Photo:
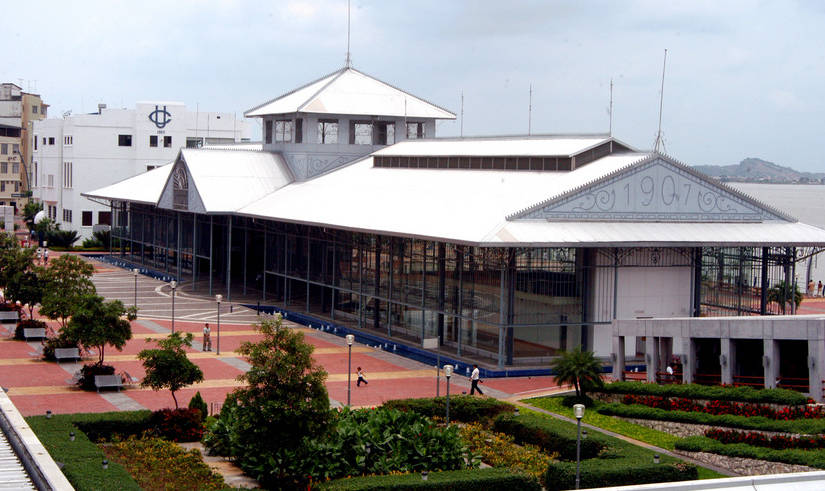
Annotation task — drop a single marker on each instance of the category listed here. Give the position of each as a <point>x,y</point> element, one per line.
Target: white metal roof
<point>348,91</point>
<point>142,188</point>
<point>229,179</point>
<point>550,145</point>
<point>259,146</point>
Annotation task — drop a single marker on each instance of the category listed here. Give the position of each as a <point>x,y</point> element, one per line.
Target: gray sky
<point>744,78</point>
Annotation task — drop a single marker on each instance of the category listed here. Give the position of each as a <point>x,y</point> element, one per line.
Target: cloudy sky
<point>744,78</point>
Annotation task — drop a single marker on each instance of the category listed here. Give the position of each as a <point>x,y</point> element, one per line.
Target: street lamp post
<point>448,372</point>
<point>350,339</point>
<point>174,285</point>
<point>578,411</point>
<point>135,272</point>
<point>218,299</point>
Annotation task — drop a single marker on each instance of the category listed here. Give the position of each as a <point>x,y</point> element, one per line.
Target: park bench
<point>102,381</point>
<point>34,333</point>
<point>66,354</point>
<point>9,316</point>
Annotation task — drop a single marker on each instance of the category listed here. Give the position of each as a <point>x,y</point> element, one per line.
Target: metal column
<point>211,246</point>
<point>229,259</point>
<point>763,302</point>
<point>194,249</point>
<point>178,254</point>
<point>263,280</point>
<point>245,246</point>
<point>309,253</point>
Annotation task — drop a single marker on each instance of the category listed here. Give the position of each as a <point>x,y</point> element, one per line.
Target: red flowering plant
<point>777,442</point>
<point>717,407</point>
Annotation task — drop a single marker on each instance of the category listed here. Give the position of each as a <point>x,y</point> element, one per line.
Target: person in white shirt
<point>207,339</point>
<point>474,379</point>
<point>361,378</point>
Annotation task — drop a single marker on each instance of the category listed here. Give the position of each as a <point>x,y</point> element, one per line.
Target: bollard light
<point>655,458</point>
<point>424,475</point>
<point>218,299</point>
<point>105,464</point>
<point>48,414</point>
<point>350,339</point>
<point>71,436</point>
<point>584,434</point>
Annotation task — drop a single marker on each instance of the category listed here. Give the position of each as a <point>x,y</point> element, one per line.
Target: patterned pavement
<point>36,386</point>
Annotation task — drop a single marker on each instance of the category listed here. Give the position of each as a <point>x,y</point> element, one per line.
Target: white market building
<point>507,249</point>
<point>82,152</point>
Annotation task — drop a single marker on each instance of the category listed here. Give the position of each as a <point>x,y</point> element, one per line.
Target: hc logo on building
<point>161,117</point>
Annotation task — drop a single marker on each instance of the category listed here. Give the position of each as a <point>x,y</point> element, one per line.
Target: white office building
<point>82,152</point>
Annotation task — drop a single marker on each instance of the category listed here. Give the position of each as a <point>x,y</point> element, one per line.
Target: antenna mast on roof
<point>349,60</point>
<point>610,109</point>
<point>462,115</point>
<point>530,113</point>
<point>658,142</point>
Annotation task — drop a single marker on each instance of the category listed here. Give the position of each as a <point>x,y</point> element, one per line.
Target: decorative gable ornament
<point>652,191</point>
<point>180,188</point>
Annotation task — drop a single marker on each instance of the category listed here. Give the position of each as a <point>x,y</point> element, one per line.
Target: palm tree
<point>781,295</point>
<point>579,368</point>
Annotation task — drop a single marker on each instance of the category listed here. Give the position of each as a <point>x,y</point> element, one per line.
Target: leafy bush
<point>789,456</point>
<point>466,480</point>
<point>177,425</point>
<point>597,473</point>
<point>198,403</point>
<point>499,450</point>
<point>159,464</point>
<point>805,426</point>
<point>726,407</point>
<point>103,237</point>
<point>28,324</point>
<point>570,401</point>
<point>776,442</point>
<point>91,243</point>
<point>462,408</point>
<point>60,341</point>
<point>62,238</point>
<point>548,434</point>
<point>88,372</point>
<point>695,391</point>
<point>111,426</point>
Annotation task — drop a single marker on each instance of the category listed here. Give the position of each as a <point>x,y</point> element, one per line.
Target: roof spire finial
<point>659,142</point>
<point>349,60</point>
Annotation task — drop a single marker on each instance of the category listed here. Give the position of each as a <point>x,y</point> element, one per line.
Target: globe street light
<point>135,272</point>
<point>448,372</point>
<point>350,339</point>
<point>578,411</point>
<point>174,285</point>
<point>218,299</point>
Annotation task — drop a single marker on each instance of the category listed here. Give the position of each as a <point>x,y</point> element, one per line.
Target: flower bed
<point>776,442</point>
<point>499,450</point>
<point>719,407</point>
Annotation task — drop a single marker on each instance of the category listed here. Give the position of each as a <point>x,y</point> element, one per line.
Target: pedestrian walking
<point>361,378</point>
<point>474,380</point>
<point>39,255</point>
<point>819,289</point>
<point>45,257</point>
<point>207,338</point>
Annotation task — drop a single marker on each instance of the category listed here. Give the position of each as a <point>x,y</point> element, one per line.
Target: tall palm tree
<point>579,368</point>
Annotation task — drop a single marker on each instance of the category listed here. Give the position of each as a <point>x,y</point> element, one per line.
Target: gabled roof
<point>504,146</point>
<point>143,188</point>
<point>348,91</point>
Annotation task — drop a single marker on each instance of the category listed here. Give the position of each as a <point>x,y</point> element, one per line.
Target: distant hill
<point>758,170</point>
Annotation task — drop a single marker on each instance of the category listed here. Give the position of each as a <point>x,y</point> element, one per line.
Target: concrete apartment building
<point>86,151</point>
<point>18,112</point>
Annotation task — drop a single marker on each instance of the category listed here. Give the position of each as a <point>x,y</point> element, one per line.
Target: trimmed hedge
<point>469,480</point>
<point>107,426</point>
<point>597,473</point>
<point>696,391</point>
<point>805,426</point>
<point>811,458</point>
<point>466,409</point>
<point>550,435</point>
<point>82,457</point>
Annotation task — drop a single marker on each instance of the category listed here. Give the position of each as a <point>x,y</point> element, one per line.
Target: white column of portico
<point>618,357</point>
<point>726,360</point>
<point>651,357</point>
<point>816,362</point>
<point>770,362</point>
<point>688,359</point>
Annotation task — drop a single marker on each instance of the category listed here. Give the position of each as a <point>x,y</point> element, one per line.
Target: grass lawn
<point>632,430</point>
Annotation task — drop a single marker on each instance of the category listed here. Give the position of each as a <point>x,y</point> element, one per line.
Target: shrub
<point>467,480</point>
<point>499,450</point>
<point>776,442</point>
<point>597,473</point>
<point>159,464</point>
<point>462,408</point>
<point>177,425</point>
<point>88,372</point>
<point>550,435</point>
<point>570,401</point>
<point>805,426</point>
<point>198,403</point>
<point>111,426</point>
<point>103,237</point>
<point>28,324</point>
<point>726,407</point>
<point>60,341</point>
<point>789,456</point>
<point>695,391</point>
<point>62,238</point>
<point>91,243</point>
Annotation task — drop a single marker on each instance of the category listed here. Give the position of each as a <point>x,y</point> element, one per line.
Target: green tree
<point>27,288</point>
<point>65,282</point>
<point>14,259</point>
<point>168,367</point>
<point>96,323</point>
<point>45,226</point>
<point>30,210</point>
<point>577,367</point>
<point>268,426</point>
<point>781,294</point>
